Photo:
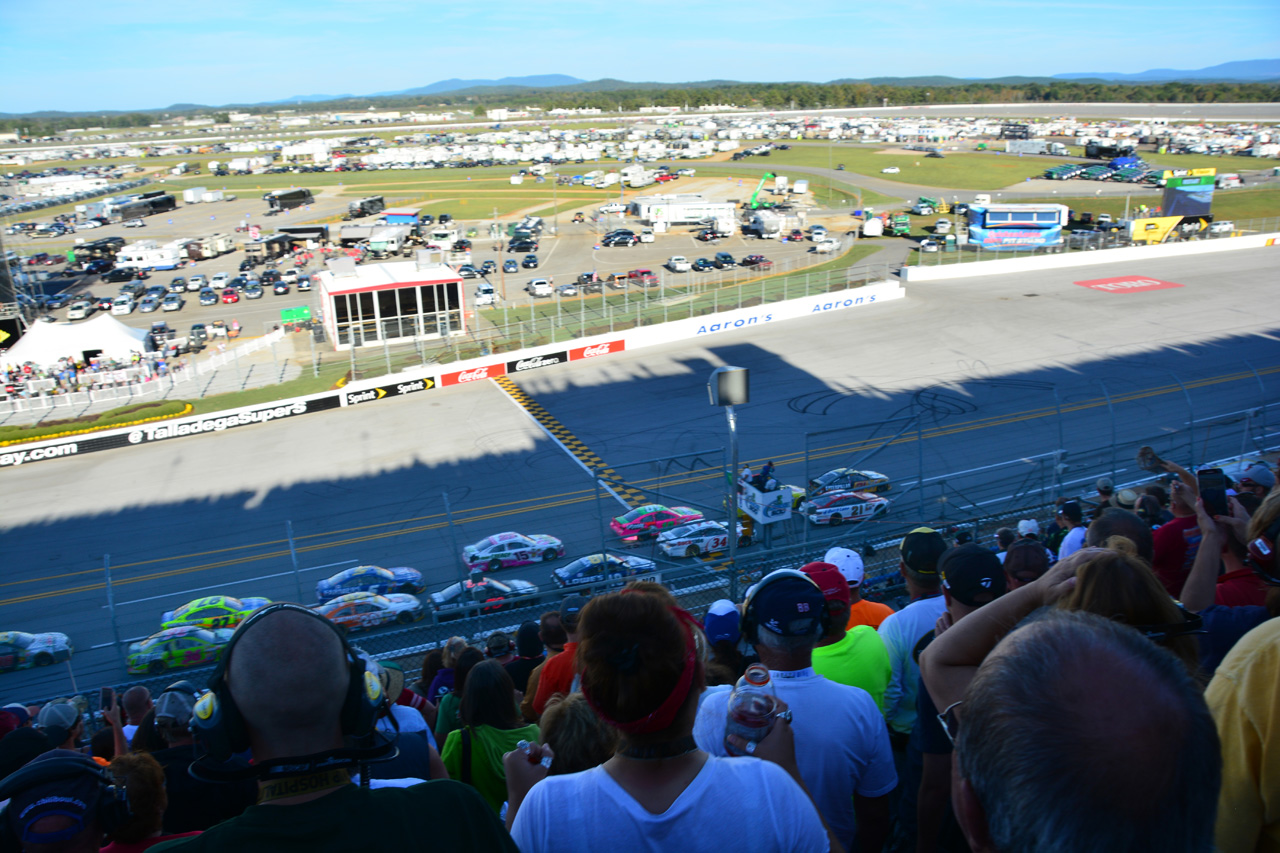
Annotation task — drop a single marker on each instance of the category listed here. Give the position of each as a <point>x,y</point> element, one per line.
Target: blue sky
<point>138,54</point>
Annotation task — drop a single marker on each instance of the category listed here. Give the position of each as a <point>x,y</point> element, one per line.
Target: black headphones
<point>750,625</point>
<point>112,809</point>
<point>220,730</point>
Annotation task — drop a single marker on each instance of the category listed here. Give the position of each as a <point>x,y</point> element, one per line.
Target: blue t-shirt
<point>1224,626</point>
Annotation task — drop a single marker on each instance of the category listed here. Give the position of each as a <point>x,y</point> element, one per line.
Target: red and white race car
<point>835,508</point>
<point>511,549</point>
<point>700,537</point>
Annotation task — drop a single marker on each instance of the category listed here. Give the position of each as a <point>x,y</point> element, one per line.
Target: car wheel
<point>692,551</point>
<point>836,521</point>
<point>495,564</point>
<point>155,667</point>
<point>405,618</point>
<point>43,659</point>
<point>549,554</point>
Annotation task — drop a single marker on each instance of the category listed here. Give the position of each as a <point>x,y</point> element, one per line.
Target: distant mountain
<point>1245,71</point>
<point>539,81</point>
<point>309,99</point>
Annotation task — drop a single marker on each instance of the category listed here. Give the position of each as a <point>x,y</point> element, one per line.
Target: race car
<point>511,549</point>
<point>458,599</point>
<point>650,520</point>
<point>370,579</point>
<point>20,650</point>
<point>357,611</point>
<point>175,648</point>
<point>700,537</point>
<point>835,508</point>
<point>216,611</point>
<point>848,480</point>
<point>599,567</point>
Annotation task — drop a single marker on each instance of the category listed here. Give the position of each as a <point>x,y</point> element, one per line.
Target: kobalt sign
<point>1127,284</point>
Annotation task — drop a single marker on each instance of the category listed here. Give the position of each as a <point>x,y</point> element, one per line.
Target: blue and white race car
<point>370,579</point>
<point>510,549</point>
<point>600,567</point>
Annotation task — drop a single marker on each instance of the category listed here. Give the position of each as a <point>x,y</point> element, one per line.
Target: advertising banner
<point>488,371</point>
<point>400,389</point>
<point>1188,196</point>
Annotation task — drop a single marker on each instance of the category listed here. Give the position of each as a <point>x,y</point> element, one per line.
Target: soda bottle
<point>752,707</point>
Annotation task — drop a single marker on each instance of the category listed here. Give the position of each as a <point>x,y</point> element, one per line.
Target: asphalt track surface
<point>973,384</point>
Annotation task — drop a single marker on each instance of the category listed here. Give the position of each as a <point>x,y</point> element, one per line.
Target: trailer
<point>213,195</point>
<point>365,207</point>
<point>193,195</point>
<point>1035,146</point>
<point>800,187</point>
<point>287,199</point>
<point>873,227</point>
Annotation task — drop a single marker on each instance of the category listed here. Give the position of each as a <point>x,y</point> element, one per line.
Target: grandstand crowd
<point>1109,682</point>
<point>69,375</point>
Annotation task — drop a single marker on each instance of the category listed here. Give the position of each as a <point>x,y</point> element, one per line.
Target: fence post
<point>111,607</point>
<point>1112,412</point>
<point>293,555</point>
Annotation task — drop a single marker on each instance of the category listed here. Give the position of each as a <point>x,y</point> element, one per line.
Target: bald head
<point>288,675</point>
<point>136,702</point>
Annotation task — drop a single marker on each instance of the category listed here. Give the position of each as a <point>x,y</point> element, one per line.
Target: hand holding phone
<point>106,698</point>
<point>1213,491</point>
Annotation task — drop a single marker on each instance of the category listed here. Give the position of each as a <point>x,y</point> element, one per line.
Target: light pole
<point>729,387</point>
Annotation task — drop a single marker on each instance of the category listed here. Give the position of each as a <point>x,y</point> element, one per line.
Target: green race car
<point>215,611</point>
<point>176,648</point>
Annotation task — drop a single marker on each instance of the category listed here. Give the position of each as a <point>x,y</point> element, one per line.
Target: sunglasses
<point>950,722</point>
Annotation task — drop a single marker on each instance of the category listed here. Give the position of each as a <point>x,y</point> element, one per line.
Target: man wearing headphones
<point>841,744</point>
<point>61,802</point>
<point>291,691</point>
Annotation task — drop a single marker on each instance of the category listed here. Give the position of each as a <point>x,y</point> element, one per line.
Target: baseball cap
<point>57,714</point>
<point>1105,485</point>
<point>972,574</point>
<point>1072,512</point>
<point>18,710</point>
<point>721,622</point>
<point>828,578</point>
<point>74,796</point>
<point>921,549</point>
<point>849,562</point>
<point>392,677</point>
<point>571,609</point>
<point>1257,475</point>
<point>790,605</point>
<point>174,709</point>
<point>1028,527</point>
<point>497,645</point>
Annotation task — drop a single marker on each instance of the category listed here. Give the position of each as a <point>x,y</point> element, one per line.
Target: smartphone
<point>1213,490</point>
<point>106,697</point>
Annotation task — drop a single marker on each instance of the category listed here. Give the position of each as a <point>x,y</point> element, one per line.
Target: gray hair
<point>788,645</point>
<point>1078,734</point>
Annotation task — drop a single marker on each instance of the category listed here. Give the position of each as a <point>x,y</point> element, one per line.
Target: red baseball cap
<point>829,579</point>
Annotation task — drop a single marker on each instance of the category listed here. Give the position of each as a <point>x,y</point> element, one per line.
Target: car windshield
<point>638,513</point>
<point>830,477</point>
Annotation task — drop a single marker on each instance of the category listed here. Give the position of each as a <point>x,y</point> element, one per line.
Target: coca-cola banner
<point>597,349</point>
<point>534,361</point>
<point>489,371</point>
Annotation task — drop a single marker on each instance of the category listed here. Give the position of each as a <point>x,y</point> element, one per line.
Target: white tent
<point>45,343</point>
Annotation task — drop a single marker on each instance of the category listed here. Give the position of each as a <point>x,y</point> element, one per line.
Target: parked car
<point>758,262</point>
<point>173,302</point>
<point>230,296</point>
<point>724,260</point>
<point>620,240</point>
<point>177,284</point>
<point>135,223</point>
<point>148,304</point>
<point>209,296</point>
<point>890,170</point>
<point>80,310</point>
<point>280,288</point>
<point>253,291</point>
<point>703,265</point>
<point>530,262</point>
<point>538,287</point>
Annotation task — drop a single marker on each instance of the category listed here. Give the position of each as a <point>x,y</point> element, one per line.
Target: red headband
<point>662,716</point>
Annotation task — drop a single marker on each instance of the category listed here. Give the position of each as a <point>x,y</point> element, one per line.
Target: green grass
<point>113,418</point>
<point>960,171</point>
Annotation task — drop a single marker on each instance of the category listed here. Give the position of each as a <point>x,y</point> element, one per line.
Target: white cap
<point>1028,527</point>
<point>849,563</point>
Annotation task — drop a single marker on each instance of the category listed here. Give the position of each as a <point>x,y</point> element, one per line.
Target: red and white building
<point>390,303</point>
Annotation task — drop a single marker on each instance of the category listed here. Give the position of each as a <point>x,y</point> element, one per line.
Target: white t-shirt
<point>1072,542</point>
<point>900,632</point>
<point>842,746</point>
<point>740,804</point>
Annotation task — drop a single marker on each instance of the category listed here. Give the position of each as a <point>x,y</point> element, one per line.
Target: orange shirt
<point>868,613</point>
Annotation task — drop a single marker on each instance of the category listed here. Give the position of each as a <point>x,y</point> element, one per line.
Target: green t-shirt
<point>442,815</point>
<point>447,717</point>
<point>488,745</point>
<point>859,660</point>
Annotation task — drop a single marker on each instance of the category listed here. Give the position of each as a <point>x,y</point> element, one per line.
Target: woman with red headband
<point>641,672</point>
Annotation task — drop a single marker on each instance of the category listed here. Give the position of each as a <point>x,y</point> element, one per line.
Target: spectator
<point>432,662</point>
<point>1030,717</point>
<point>62,814</point>
<point>1024,562</point>
<point>19,747</point>
<point>971,577</point>
<point>578,737</point>
<point>443,681</point>
<point>192,804</point>
<point>1175,544</point>
<point>61,724</point>
<point>551,632</point>
<point>1243,697</point>
<point>500,648</point>
<point>558,673</point>
<point>102,747</point>
<point>448,719</point>
<point>1071,519</point>
<point>136,702</point>
<point>1119,522</point>
<point>416,758</point>
<point>641,674</point>
<point>1104,489</point>
<point>528,655</point>
<point>491,727</point>
<point>143,781</point>
<point>920,550</point>
<point>853,656</point>
<point>841,744</point>
<point>721,627</point>
<point>1257,480</point>
<point>147,738</point>
<point>1005,537</point>
<point>20,713</point>
<point>1029,530</point>
<point>288,674</point>
<point>861,611</point>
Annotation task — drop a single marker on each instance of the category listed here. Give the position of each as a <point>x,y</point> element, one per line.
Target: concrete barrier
<point>948,272</point>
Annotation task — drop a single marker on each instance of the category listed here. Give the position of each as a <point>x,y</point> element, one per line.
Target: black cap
<point>972,574</point>
<point>921,549</point>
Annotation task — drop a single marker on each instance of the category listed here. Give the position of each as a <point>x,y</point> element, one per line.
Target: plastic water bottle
<point>753,707</point>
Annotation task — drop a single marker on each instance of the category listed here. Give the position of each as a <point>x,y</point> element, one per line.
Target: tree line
<point>762,96</point>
